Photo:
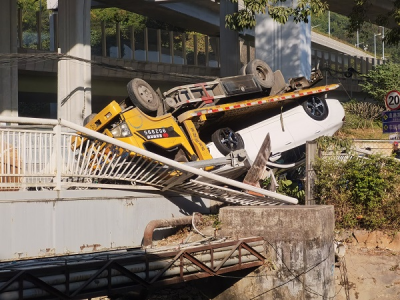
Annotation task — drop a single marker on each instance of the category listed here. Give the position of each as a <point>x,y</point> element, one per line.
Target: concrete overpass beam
<point>9,67</point>
<point>284,47</point>
<point>74,73</point>
<point>229,42</point>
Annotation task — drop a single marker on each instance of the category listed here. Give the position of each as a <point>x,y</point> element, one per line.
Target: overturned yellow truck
<point>170,124</point>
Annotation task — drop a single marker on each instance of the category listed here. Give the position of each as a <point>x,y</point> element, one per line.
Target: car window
<point>292,155</point>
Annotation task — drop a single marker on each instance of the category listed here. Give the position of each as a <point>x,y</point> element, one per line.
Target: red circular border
<point>386,100</point>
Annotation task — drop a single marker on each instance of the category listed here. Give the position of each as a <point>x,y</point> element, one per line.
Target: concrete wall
<point>300,255</point>
<point>46,223</point>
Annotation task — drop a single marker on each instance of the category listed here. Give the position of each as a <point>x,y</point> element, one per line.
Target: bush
<point>362,115</point>
<point>365,192</point>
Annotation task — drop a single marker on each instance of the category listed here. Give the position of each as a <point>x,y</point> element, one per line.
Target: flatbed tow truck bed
<point>243,107</point>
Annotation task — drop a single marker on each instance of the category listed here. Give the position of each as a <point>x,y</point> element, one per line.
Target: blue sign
<point>391,127</point>
<point>390,116</point>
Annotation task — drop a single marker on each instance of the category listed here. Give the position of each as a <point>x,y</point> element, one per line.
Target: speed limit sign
<point>393,100</point>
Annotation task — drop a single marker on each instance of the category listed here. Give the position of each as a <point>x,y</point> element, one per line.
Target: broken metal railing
<point>52,159</point>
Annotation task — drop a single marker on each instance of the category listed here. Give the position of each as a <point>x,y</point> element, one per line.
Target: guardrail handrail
<point>204,189</point>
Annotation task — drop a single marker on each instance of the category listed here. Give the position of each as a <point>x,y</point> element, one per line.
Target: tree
<point>245,18</point>
<point>281,10</point>
<point>382,79</point>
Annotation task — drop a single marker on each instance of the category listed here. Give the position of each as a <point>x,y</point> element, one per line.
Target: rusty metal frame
<point>33,275</point>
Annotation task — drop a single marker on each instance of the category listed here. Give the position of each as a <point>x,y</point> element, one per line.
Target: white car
<point>289,130</point>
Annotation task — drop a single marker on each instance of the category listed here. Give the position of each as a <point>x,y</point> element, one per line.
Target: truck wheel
<point>143,96</point>
<point>226,140</point>
<point>242,70</point>
<point>316,108</point>
<point>88,119</point>
<point>262,73</point>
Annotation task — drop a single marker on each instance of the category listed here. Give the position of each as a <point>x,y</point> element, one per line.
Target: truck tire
<point>143,95</point>
<point>316,108</point>
<point>262,73</point>
<point>226,140</point>
<point>242,70</point>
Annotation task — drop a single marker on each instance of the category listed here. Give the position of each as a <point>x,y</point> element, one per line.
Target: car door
<point>302,127</point>
<point>254,136</point>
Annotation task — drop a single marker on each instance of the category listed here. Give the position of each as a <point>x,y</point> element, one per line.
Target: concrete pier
<point>300,254</point>
<point>9,67</point>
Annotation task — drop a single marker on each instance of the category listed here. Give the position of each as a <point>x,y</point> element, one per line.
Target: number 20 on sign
<point>393,100</point>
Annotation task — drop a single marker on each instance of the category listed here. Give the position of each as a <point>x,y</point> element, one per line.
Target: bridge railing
<point>55,157</point>
<point>340,63</point>
<point>112,39</point>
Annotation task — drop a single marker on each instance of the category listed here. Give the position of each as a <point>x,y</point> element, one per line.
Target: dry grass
<point>363,134</point>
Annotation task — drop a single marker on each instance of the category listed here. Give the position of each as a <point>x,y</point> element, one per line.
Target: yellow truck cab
<point>161,135</point>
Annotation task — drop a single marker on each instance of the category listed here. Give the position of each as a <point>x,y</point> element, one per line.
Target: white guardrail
<point>48,158</point>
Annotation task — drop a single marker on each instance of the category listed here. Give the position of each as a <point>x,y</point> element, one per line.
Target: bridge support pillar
<point>299,253</point>
<point>74,71</point>
<point>9,68</point>
<point>285,47</point>
<point>229,42</point>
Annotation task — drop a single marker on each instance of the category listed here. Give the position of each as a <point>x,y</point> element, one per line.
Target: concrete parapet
<point>300,254</point>
<point>50,223</point>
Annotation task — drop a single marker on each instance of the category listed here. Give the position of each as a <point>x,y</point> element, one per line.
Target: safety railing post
<point>39,29</point>
<point>118,38</point>
<point>20,42</point>
<point>103,39</point>
<point>132,36</point>
<point>58,156</point>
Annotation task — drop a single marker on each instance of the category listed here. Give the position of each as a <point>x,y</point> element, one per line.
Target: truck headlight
<point>120,131</point>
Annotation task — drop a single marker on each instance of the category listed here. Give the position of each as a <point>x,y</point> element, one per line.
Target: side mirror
<point>275,156</point>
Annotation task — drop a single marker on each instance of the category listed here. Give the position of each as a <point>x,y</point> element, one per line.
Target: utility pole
<point>383,42</point>
<point>329,23</point>
<point>375,35</point>
<point>358,41</point>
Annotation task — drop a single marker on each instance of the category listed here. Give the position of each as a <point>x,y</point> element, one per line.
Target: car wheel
<point>226,140</point>
<point>316,108</point>
<point>143,96</point>
<point>262,73</point>
<point>88,119</point>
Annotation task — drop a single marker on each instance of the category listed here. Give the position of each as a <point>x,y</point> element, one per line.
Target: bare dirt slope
<point>371,274</point>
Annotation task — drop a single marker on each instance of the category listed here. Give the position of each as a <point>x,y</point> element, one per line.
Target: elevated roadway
<point>203,15</point>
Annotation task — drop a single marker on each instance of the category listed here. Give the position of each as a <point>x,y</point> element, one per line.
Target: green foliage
<point>340,29</point>
<point>292,189</point>
<point>365,192</point>
<point>30,8</point>
<point>279,10</point>
<point>116,15</point>
<point>381,80</point>
<point>282,10</point>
